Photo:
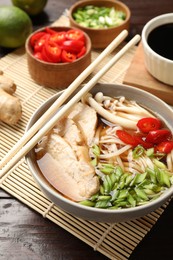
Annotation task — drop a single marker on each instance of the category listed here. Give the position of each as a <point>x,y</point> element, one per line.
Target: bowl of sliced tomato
<point>57,55</point>
<point>102,20</point>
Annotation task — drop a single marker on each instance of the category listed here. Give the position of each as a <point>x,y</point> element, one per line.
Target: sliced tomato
<point>75,34</point>
<point>126,137</point>
<point>68,56</point>
<point>148,124</point>
<point>51,52</point>
<point>73,45</point>
<point>40,43</point>
<point>58,37</point>
<point>158,136</point>
<point>35,37</point>
<point>164,147</point>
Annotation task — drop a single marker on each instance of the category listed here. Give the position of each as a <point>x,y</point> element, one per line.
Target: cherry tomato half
<point>158,136</point>
<point>148,124</point>
<point>164,147</point>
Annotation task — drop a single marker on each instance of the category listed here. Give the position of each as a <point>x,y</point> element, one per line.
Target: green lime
<point>32,7</point>
<point>15,26</point>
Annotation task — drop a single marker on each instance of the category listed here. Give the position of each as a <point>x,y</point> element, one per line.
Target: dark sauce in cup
<point>160,40</point>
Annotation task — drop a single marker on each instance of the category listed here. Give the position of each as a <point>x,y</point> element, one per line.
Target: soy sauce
<point>161,40</point>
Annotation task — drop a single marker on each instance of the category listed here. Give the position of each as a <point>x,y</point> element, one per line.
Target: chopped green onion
<point>121,189</point>
<point>98,17</point>
<point>159,164</point>
<point>138,151</point>
<point>103,204</point>
<point>140,193</point>
<point>96,150</point>
<point>94,162</point>
<point>150,152</point>
<point>87,203</point>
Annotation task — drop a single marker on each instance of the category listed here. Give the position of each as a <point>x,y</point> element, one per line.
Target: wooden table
<point>24,234</point>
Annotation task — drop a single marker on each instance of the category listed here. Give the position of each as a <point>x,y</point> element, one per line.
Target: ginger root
<point>7,84</point>
<point>10,106</point>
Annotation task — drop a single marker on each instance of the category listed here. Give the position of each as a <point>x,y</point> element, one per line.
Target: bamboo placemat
<point>115,241</point>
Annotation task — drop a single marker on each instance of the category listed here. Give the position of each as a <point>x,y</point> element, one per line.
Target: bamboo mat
<point>115,241</point>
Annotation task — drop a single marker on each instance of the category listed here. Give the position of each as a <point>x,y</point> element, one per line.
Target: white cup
<point>158,66</point>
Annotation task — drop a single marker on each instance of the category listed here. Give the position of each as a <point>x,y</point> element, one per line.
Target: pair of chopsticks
<point>48,120</point>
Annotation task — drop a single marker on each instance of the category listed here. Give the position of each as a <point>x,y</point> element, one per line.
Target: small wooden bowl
<point>100,38</point>
<point>56,75</point>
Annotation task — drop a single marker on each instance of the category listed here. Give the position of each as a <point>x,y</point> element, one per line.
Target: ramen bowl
<point>101,37</point>
<point>145,100</point>
<point>57,75</point>
<point>157,45</point>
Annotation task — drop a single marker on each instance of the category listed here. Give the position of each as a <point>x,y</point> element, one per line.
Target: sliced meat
<point>86,119</point>
<point>67,164</point>
<point>68,129</point>
<point>71,172</point>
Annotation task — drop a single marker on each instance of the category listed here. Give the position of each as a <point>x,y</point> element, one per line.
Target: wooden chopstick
<point>72,87</point>
<point>13,158</point>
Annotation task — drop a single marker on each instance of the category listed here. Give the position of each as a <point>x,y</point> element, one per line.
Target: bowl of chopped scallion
<point>101,20</point>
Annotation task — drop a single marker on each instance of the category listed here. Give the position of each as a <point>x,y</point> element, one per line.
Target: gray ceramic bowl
<point>94,214</point>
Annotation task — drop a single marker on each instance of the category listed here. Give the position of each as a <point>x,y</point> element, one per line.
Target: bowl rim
<point>148,27</point>
<point>74,6</point>
<point>66,28</point>
<point>160,200</point>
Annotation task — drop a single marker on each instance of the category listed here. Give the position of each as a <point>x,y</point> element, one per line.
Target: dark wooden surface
<point>25,235</point>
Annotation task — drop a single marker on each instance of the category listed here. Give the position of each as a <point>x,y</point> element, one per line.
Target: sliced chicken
<point>67,164</point>
<point>68,129</point>
<point>71,172</point>
<point>86,119</point>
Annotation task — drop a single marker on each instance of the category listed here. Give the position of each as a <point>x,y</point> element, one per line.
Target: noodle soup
<point>108,153</point>
<point>93,202</point>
